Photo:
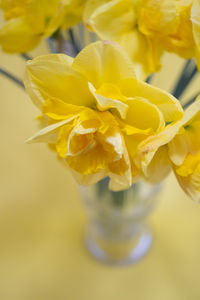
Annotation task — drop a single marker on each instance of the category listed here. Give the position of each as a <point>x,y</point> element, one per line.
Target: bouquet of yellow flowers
<point>99,112</point>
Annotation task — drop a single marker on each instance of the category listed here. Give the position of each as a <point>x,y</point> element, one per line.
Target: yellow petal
<point>144,115</point>
<point>165,102</point>
<point>189,165</point>
<point>120,172</point>
<point>195,18</point>
<point>80,143</point>
<point>13,9</point>
<point>59,110</point>
<point>178,148</point>
<point>105,103</point>
<point>186,140</point>
<point>17,36</point>
<point>111,91</point>
<point>89,162</point>
<point>149,146</point>
<point>188,175</point>
<point>104,62</point>
<point>62,141</point>
<point>95,150</point>
<point>133,137</point>
<point>52,76</point>
<point>159,167</point>
<point>181,41</point>
<point>145,55</point>
<point>45,133</point>
<point>73,13</point>
<point>181,138</point>
<point>117,21</point>
<point>44,16</point>
<point>131,130</point>
<point>157,16</point>
<point>110,19</point>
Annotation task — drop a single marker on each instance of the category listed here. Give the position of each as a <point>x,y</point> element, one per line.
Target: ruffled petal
<point>188,176</point>
<point>149,146</point>
<point>186,140</point>
<point>105,103</point>
<point>59,110</point>
<point>165,102</point>
<point>137,47</point>
<point>52,76</point>
<point>157,17</point>
<point>159,167</point>
<point>110,19</point>
<point>104,62</point>
<point>143,114</point>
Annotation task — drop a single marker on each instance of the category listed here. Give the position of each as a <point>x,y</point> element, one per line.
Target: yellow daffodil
<point>147,28</point>
<point>168,23</point>
<point>97,112</point>
<point>181,143</point>
<point>29,21</point>
<point>116,20</point>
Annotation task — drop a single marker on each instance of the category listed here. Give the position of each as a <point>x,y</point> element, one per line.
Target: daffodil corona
<point>97,114</point>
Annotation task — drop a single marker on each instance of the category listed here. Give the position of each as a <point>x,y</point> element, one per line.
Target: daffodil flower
<point>181,144</point>
<point>148,28</point>
<point>117,20</point>
<point>28,22</point>
<point>97,112</point>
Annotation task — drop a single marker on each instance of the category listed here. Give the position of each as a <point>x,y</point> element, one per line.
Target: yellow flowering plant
<point>112,129</point>
<point>100,117</point>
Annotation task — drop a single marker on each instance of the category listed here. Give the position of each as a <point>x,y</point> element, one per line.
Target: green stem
<point>190,101</point>
<point>51,44</point>
<point>26,56</point>
<point>12,77</point>
<point>102,187</point>
<point>149,78</point>
<point>187,74</point>
<point>76,48</point>
<point>118,198</point>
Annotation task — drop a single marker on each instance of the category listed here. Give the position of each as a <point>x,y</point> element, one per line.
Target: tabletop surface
<point>42,253</point>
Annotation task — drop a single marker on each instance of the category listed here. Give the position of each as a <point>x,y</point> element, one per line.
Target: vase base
<point>140,249</point>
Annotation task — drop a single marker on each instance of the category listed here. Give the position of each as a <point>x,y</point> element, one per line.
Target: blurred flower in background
<point>28,22</point>
<point>147,28</point>
<point>183,149</point>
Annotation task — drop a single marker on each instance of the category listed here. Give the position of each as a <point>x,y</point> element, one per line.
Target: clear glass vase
<point>117,231</point>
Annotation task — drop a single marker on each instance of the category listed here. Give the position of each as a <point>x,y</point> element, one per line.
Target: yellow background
<point>42,255</point>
